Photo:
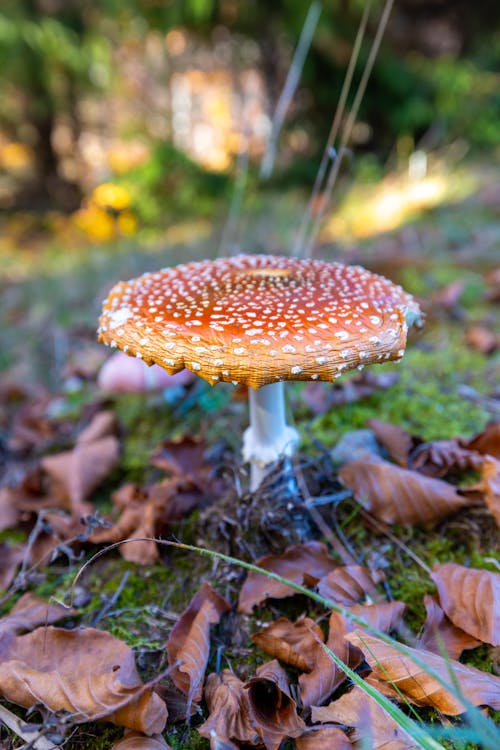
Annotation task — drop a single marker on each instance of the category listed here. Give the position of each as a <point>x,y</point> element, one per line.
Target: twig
<point>35,739</point>
<point>383,530</point>
<point>329,153</point>
<point>289,88</point>
<point>347,130</point>
<point>111,601</point>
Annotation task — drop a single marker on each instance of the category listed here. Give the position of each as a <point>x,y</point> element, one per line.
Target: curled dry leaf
<point>397,442</point>
<point>318,685</point>
<point>294,643</point>
<point>438,458</point>
<point>373,726</point>
<point>88,673</point>
<point>390,665</point>
<point>188,644</point>
<point>272,708</point>
<point>440,633</point>
<point>489,486</point>
<point>487,442</point>
<point>325,677</point>
<point>304,564</point>
<point>400,496</point>
<point>229,707</point>
<point>471,599</point>
<point>9,510</point>
<point>349,584</point>
<point>137,741</point>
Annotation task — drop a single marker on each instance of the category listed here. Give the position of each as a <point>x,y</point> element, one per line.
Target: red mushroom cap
<point>258,319</point>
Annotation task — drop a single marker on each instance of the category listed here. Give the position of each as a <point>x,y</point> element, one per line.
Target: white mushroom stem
<point>268,437</point>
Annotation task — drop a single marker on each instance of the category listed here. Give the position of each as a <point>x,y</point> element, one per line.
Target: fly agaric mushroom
<point>259,320</point>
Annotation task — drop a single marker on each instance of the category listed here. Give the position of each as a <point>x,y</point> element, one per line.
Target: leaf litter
<point>37,670</point>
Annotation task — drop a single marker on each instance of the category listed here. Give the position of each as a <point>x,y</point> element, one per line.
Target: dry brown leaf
<point>327,737</point>
<point>438,458</point>
<point>396,495</point>
<point>471,599</point>
<point>317,685</point>
<point>383,616</point>
<point>294,643</point>
<point>88,672</point>
<point>29,612</point>
<point>9,511</point>
<point>440,633</point>
<point>373,726</point>
<point>487,442</point>
<point>138,741</point>
<point>489,486</point>
<point>395,440</point>
<point>102,425</point>
<point>11,556</point>
<point>303,563</point>
<point>76,473</point>
<point>389,665</point>
<point>325,677</point>
<point>349,584</point>
<point>188,643</point>
<point>273,710</point>
<point>482,339</point>
<point>146,512</point>
<point>229,707</point>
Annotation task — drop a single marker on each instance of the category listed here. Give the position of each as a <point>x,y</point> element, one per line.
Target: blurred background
<point>132,134</point>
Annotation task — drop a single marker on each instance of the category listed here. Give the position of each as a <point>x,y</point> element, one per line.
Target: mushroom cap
<point>258,319</point>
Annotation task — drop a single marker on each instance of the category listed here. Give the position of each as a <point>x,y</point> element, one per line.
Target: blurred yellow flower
<point>97,224</point>
<point>111,196</point>
<point>127,223</point>
<point>14,156</point>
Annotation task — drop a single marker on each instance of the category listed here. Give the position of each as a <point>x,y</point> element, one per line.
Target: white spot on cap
<point>288,349</point>
<point>342,335</point>
<point>118,317</point>
<point>295,370</point>
<point>196,366</point>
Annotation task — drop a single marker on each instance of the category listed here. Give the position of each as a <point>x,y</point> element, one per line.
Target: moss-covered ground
<point>444,389</point>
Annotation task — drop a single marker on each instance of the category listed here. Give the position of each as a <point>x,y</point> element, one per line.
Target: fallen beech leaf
<point>440,633</point>
<point>487,442</point>
<point>9,511</point>
<point>303,563</point>
<point>182,457</point>
<point>102,425</point>
<point>389,665</point>
<point>137,741</point>
<point>273,710</point>
<point>76,473</point>
<point>348,584</point>
<point>11,556</point>
<point>374,727</point>
<point>229,707</point>
<point>294,643</point>
<point>29,612</point>
<point>480,338</point>
<point>438,458</point>
<point>489,486</point>
<point>317,686</point>
<point>189,644</point>
<point>326,737</point>
<point>88,672</point>
<point>383,616</point>
<point>400,496</point>
<point>471,599</point>
<point>395,440</point>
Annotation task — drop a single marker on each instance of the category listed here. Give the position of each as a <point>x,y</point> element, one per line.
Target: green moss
<point>180,737</point>
<point>426,400</point>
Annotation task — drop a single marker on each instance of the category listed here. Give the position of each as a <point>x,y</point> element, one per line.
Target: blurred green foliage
<point>53,53</point>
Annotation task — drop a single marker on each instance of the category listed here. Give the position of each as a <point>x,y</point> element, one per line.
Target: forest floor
<point>445,388</point>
